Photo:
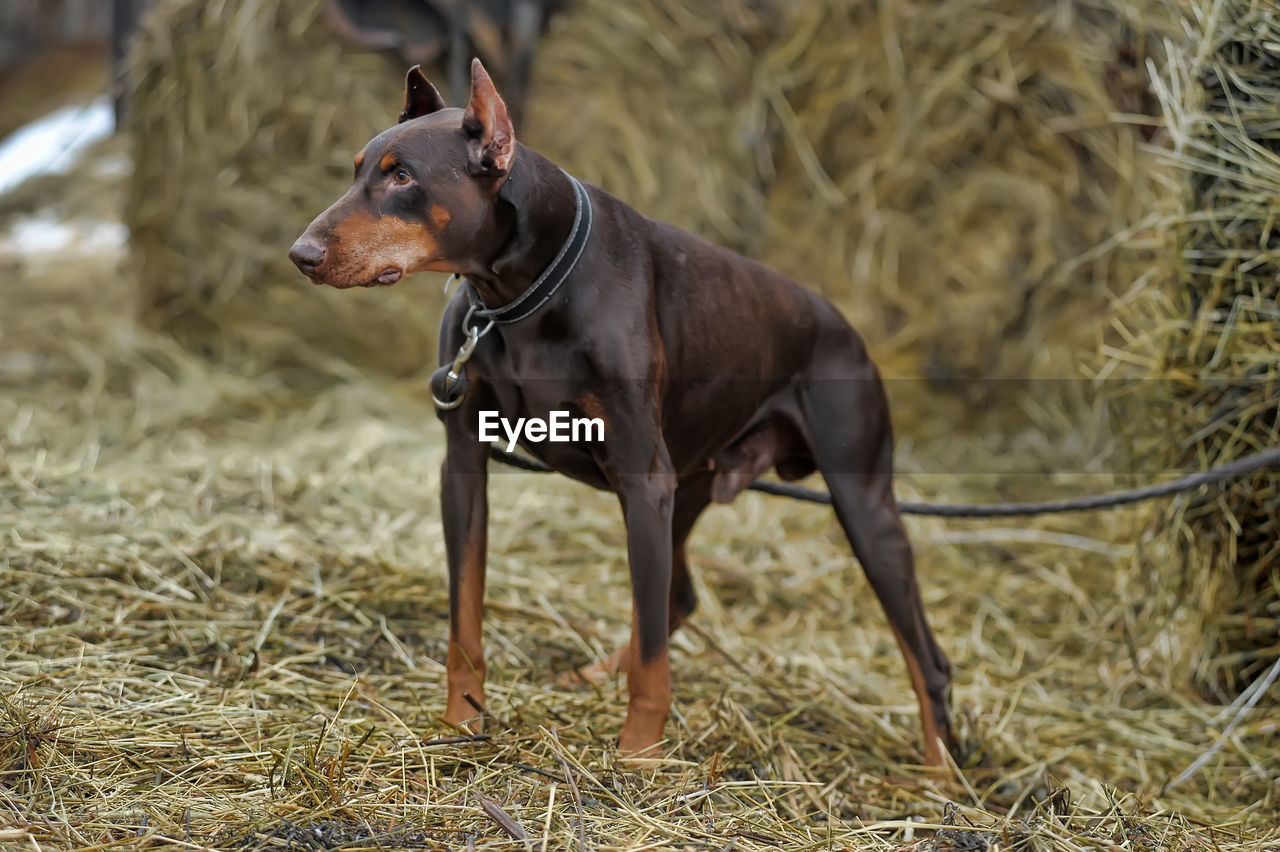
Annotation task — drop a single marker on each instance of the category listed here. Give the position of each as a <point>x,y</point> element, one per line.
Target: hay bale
<point>1206,324</point>
<point>939,171</point>
<point>243,123</point>
<point>944,171</point>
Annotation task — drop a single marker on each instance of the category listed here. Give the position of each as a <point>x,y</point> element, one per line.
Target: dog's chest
<point>552,404</point>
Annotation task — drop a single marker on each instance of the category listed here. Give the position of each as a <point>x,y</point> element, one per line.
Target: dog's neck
<point>535,210</point>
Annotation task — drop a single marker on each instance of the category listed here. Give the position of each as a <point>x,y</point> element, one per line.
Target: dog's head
<point>424,191</point>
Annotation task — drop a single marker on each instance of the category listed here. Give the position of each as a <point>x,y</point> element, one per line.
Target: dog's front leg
<point>647,501</point>
<point>465,509</point>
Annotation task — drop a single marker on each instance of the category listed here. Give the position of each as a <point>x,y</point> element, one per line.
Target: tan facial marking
<point>365,245</point>
<point>388,160</point>
<point>359,159</point>
<point>439,216</point>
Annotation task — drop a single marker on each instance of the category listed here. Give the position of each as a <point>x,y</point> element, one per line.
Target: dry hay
<point>1204,326</point>
<point>223,611</point>
<point>244,120</point>
<point>223,615</point>
<point>948,172</point>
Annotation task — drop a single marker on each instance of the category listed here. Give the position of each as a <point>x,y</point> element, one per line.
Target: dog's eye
<point>401,177</point>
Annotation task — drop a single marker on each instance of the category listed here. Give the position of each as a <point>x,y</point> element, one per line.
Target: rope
<point>1221,473</point>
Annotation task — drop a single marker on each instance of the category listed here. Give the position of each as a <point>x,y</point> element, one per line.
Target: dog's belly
<point>703,418</point>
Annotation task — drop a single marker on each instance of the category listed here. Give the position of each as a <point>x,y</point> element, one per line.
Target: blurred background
<point>1052,220</point>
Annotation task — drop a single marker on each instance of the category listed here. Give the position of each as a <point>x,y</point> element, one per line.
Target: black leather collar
<point>551,278</point>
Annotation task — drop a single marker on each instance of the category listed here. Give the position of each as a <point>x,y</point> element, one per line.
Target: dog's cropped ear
<point>491,140</point>
<point>420,97</point>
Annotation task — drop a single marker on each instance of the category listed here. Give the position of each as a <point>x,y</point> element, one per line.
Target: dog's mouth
<point>385,278</point>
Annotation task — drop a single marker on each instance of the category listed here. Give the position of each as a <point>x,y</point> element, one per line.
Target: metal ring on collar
<point>467,327</point>
<point>448,406</point>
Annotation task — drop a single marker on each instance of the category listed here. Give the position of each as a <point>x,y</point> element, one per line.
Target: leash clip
<point>449,384</point>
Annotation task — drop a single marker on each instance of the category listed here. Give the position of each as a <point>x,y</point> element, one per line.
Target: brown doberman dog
<point>706,369</point>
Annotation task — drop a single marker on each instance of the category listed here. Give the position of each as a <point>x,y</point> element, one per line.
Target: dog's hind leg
<point>848,429</point>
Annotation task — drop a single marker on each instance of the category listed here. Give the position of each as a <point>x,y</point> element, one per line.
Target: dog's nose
<point>306,256</point>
